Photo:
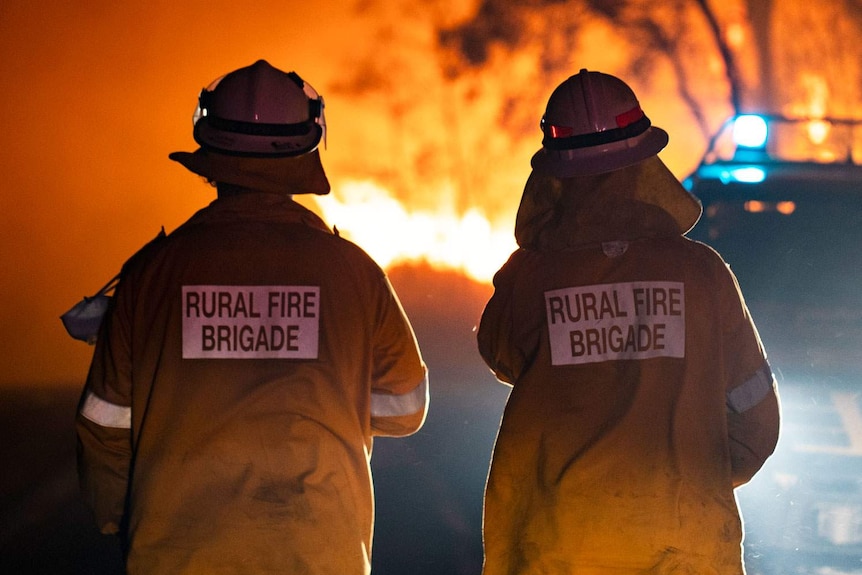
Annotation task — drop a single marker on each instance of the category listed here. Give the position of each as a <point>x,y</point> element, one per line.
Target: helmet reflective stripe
<point>593,123</point>
<point>259,111</point>
<point>253,129</point>
<point>626,130</point>
<point>557,131</point>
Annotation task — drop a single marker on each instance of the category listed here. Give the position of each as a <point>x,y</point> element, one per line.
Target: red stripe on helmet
<point>561,131</point>
<point>629,117</point>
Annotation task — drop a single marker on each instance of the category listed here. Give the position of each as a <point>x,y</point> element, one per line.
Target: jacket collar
<point>257,206</point>
<point>644,200</point>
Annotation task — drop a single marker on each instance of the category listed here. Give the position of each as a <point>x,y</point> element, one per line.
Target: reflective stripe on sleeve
<point>392,405</point>
<point>752,391</point>
<point>105,413</point>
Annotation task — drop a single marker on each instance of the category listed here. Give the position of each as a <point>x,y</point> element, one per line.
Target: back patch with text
<point>250,322</point>
<point>632,320</point>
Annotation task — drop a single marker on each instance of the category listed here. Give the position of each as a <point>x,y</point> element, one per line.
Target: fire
<point>433,116</point>
<point>816,90</point>
<point>370,216</point>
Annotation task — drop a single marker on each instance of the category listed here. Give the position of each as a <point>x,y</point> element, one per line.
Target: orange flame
<point>373,218</point>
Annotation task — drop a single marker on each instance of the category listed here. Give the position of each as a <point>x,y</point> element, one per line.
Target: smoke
<point>450,96</point>
<point>495,22</point>
<point>436,105</point>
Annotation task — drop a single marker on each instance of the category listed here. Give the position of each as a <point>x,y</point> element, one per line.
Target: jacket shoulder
<point>144,252</point>
<point>703,253</point>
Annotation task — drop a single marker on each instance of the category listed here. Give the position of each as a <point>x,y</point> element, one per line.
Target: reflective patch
<point>635,320</point>
<point>105,413</point>
<point>250,322</point>
<point>391,405</point>
<point>752,391</point>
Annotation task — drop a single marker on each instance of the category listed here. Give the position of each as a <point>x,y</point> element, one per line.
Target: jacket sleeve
<point>399,391</point>
<point>103,426</point>
<point>103,422</point>
<point>753,413</point>
<point>753,421</point>
<point>103,468</point>
<point>508,335</point>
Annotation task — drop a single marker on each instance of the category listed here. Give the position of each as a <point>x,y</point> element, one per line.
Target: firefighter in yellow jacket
<point>641,392</point>
<point>246,362</point>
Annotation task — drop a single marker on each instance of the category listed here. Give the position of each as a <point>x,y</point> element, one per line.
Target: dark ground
<point>44,526</point>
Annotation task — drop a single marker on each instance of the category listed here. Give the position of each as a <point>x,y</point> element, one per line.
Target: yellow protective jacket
<point>227,420</point>
<point>641,395</point>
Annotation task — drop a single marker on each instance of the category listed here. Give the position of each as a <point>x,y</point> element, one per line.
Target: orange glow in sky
<point>427,160</point>
<point>98,94</point>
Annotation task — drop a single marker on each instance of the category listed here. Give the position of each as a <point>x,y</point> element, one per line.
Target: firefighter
<point>641,394</point>
<point>247,361</point>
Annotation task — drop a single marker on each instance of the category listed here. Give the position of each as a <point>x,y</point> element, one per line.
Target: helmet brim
<point>286,175</point>
<point>600,159</point>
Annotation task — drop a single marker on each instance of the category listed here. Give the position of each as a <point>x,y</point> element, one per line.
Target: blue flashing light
<point>729,174</point>
<point>747,175</point>
<point>750,131</point>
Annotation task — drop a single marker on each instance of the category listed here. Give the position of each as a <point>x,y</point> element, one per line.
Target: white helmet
<point>593,124</point>
<point>259,111</point>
